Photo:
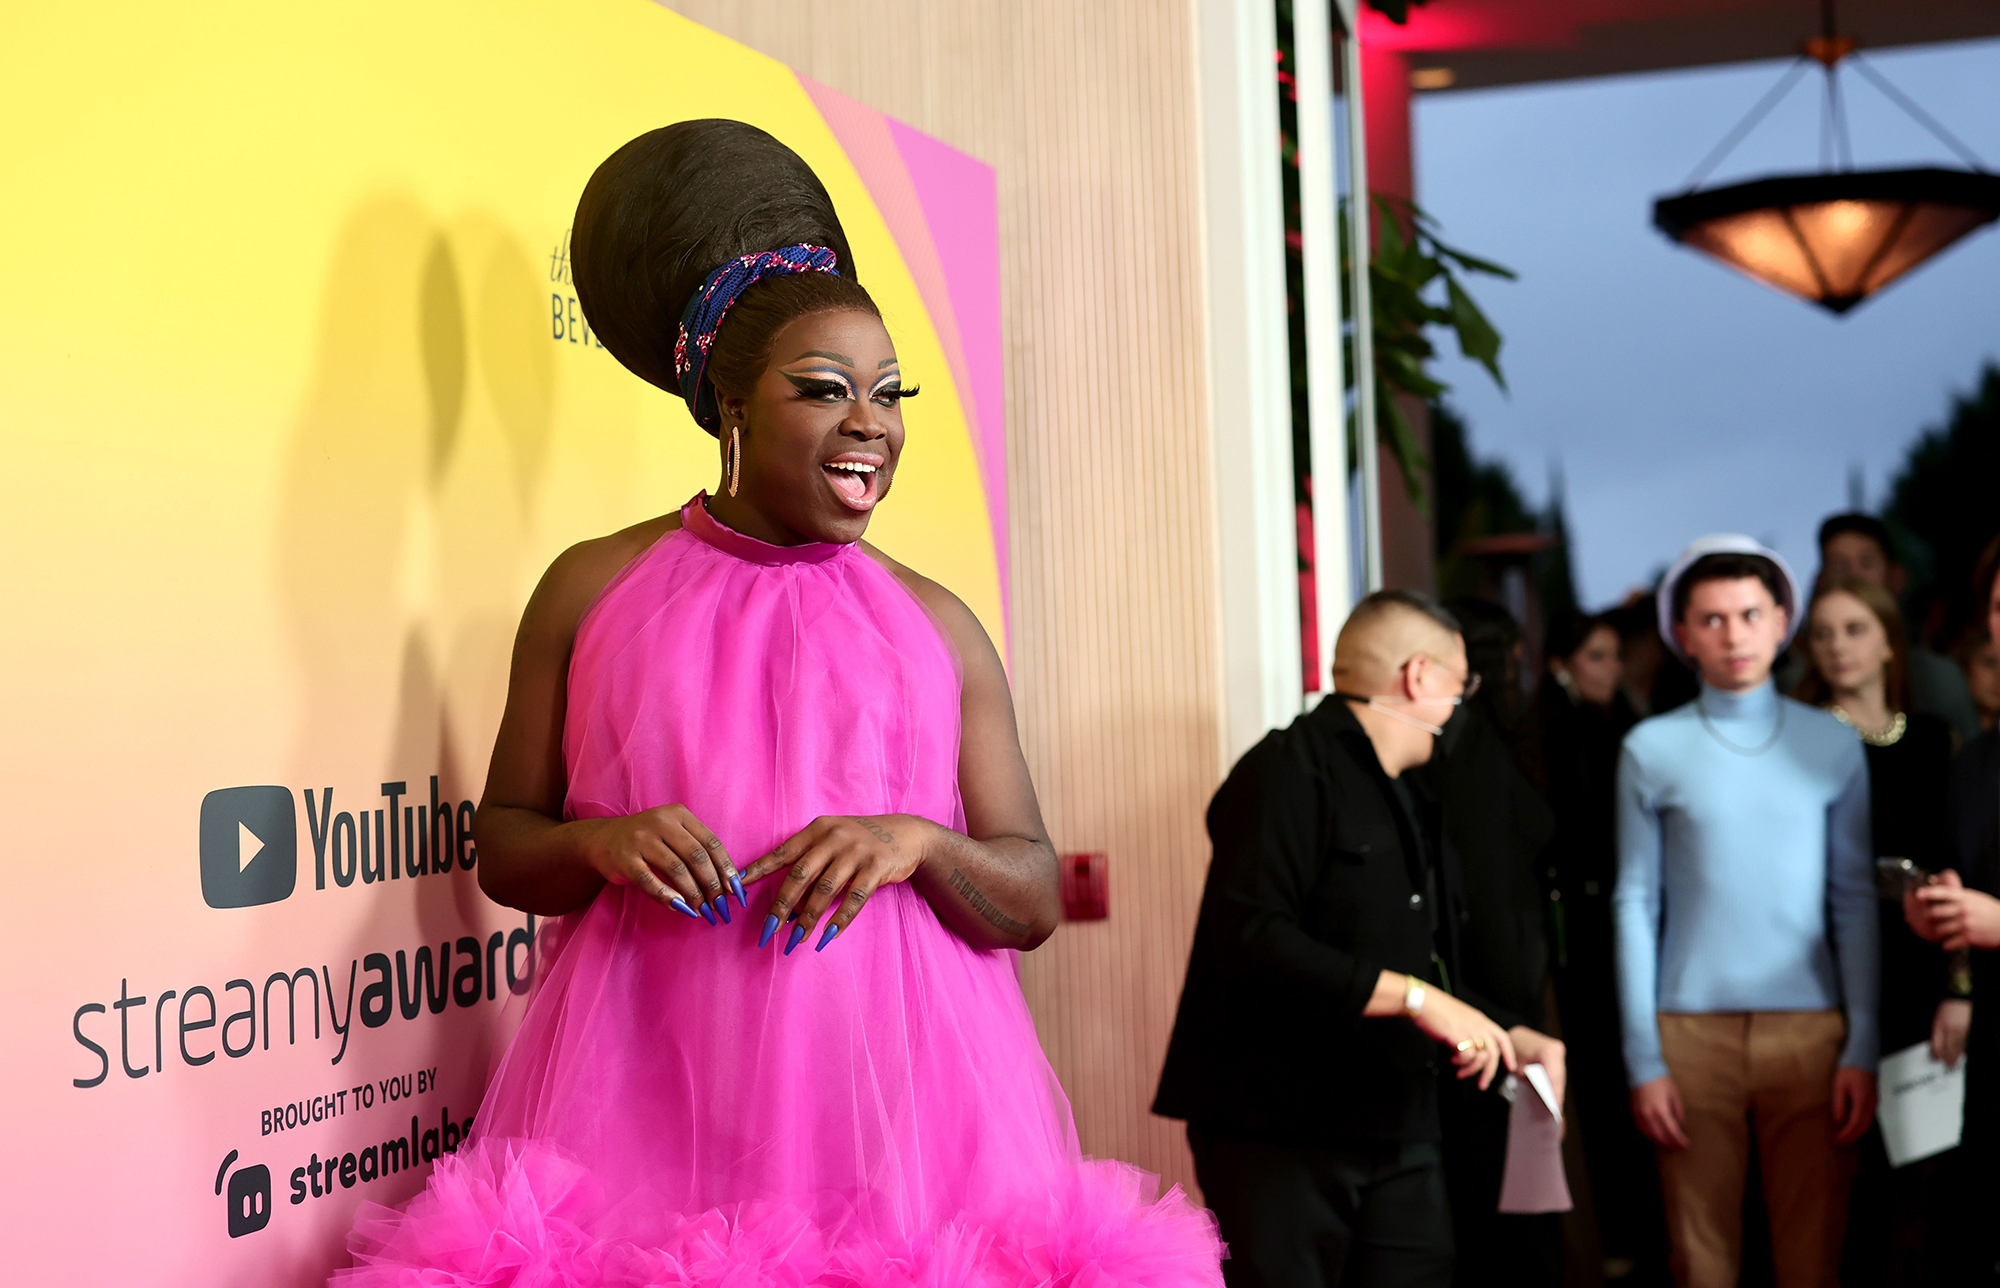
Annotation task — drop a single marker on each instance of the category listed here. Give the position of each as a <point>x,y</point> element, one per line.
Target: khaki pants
<point>1772,1070</point>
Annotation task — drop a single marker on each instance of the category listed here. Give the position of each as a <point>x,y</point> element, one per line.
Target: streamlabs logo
<point>249,848</point>
<point>249,1196</point>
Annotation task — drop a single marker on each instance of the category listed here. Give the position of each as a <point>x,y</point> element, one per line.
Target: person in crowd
<point>1655,682</point>
<point>1499,828</point>
<point>1640,651</point>
<point>1582,713</point>
<point>1961,910</point>
<point>742,700</point>
<point>1857,651</point>
<point>1980,656</point>
<point>1320,989</point>
<point>1857,547</point>
<point>1495,650</point>
<point>1747,960</point>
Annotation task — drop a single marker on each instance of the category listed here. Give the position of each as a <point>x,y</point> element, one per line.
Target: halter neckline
<point>696,519</point>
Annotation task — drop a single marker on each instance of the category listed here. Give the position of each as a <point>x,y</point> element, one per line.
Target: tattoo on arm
<point>880,833</point>
<point>984,906</point>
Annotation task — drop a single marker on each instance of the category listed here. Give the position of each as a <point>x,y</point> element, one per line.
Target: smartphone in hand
<point>1894,877</point>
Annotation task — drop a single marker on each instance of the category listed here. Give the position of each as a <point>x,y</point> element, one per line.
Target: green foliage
<point>1479,498</point>
<point>1475,498</point>
<point>1554,574</point>
<point>1943,509</point>
<point>1407,267</point>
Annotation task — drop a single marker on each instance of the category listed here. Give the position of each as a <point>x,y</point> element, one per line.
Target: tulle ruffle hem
<point>516,1214</point>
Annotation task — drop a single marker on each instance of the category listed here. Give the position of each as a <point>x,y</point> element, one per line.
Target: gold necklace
<point>1887,737</point>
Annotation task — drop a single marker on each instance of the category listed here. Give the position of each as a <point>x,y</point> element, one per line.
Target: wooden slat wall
<point>1089,114</point>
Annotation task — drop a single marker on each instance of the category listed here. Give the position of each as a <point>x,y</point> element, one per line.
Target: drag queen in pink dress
<point>838,1082</point>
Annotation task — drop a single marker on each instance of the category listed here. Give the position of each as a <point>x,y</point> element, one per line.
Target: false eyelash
<point>898,394</point>
<point>821,389</point>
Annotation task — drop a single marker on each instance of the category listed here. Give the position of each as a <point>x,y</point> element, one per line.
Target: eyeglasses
<point>1387,704</point>
<point>1469,681</point>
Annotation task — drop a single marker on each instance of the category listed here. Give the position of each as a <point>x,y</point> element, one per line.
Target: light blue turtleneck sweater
<point>1745,878</point>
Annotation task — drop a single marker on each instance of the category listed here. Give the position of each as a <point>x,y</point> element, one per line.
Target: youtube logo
<point>249,846</point>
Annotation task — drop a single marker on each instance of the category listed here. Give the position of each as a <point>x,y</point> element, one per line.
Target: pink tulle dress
<point>681,1107</point>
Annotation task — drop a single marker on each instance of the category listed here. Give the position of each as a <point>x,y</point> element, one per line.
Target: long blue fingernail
<point>798,933</point>
<point>722,908</point>
<point>770,928</point>
<point>826,938</point>
<point>736,884</point>
<point>706,915</point>
<point>682,904</point>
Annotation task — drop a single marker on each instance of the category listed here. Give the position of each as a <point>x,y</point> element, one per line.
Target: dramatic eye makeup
<point>826,386</point>
<point>827,380</point>
<point>889,389</point>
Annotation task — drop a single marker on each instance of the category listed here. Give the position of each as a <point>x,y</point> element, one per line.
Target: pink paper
<point>1534,1179</point>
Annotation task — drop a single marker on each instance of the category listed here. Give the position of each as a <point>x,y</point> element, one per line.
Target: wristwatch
<point>1413,994</point>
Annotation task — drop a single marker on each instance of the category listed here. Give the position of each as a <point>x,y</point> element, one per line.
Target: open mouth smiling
<point>855,477</point>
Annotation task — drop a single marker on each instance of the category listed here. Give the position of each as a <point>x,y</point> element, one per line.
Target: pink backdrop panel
<point>942,206</point>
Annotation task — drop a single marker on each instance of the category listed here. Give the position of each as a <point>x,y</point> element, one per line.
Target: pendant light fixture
<point>1837,236</point>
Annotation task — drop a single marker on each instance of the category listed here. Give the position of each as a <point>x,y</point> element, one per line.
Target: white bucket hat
<point>1724,543</point>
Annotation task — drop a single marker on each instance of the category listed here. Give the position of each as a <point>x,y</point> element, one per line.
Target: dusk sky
<point>1676,396</point>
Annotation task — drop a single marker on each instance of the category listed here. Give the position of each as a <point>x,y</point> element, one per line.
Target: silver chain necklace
<point>1716,733</point>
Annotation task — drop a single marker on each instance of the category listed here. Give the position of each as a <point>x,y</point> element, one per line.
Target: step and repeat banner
<point>298,405</point>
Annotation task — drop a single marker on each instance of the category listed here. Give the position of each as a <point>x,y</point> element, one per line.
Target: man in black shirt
<point>1305,1054</point>
<point>1962,910</point>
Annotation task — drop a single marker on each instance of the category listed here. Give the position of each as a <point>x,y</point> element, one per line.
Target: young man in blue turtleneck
<point>1746,920</point>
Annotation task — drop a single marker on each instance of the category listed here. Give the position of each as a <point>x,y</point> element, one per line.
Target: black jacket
<point>1908,782</point>
<point>1577,759</point>
<point>1317,885</point>
<point>1499,830</point>
<point>1975,822</point>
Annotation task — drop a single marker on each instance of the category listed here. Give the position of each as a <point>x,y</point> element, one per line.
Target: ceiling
<point>1511,42</point>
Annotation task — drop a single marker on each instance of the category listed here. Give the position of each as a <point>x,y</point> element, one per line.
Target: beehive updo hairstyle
<point>673,205</point>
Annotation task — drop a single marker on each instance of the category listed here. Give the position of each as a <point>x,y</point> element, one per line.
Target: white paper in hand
<point>1923,1104</point>
<point>1534,1179</point>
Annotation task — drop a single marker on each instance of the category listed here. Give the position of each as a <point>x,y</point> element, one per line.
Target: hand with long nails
<point>834,864</point>
<point>671,857</point>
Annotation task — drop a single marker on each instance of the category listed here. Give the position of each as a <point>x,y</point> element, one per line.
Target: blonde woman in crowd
<point>1857,654</point>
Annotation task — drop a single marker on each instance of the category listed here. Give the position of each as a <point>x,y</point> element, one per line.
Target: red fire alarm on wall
<point>1085,894</point>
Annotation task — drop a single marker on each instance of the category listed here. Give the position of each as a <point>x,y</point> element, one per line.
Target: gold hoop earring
<point>735,459</point>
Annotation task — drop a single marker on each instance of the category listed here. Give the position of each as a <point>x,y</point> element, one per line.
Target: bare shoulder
<point>963,625</point>
<point>573,581</point>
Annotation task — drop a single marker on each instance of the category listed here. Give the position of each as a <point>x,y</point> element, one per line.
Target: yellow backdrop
<point>296,412</point>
